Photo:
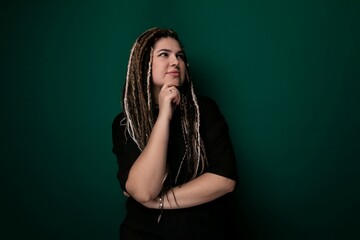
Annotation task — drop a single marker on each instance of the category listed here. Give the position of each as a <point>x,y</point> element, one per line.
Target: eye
<point>163,54</point>
<point>180,55</point>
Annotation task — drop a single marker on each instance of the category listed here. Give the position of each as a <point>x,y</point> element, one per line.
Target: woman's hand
<point>169,98</point>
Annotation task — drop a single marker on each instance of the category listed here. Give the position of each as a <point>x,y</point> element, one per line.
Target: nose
<point>174,61</point>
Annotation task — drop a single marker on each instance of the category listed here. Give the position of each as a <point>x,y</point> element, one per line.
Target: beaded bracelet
<point>161,207</point>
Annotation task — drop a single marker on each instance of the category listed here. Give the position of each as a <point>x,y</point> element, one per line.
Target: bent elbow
<point>230,186</point>
<point>140,195</point>
<point>142,198</point>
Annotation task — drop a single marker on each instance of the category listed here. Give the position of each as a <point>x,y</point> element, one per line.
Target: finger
<point>175,95</point>
<point>167,86</point>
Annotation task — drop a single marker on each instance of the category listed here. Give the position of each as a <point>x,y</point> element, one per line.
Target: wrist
<point>160,206</point>
<point>163,118</point>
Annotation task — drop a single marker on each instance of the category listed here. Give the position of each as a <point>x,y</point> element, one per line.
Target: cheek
<point>156,75</point>
<point>183,72</point>
<point>154,70</point>
<point>156,67</point>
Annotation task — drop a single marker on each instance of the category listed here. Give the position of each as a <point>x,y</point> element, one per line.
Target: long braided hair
<point>138,106</point>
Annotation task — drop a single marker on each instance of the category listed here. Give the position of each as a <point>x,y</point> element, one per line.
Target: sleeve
<point>218,145</point>
<point>124,148</point>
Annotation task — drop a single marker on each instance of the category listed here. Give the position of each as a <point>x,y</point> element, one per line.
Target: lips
<point>174,73</point>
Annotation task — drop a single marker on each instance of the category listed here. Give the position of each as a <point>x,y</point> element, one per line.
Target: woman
<point>176,160</point>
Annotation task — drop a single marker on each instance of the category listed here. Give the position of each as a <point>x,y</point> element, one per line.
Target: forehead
<point>167,43</point>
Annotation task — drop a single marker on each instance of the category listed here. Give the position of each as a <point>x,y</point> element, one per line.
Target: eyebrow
<point>168,50</point>
<point>164,50</point>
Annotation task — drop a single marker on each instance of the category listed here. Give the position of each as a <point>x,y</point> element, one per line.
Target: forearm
<point>148,172</point>
<point>202,189</point>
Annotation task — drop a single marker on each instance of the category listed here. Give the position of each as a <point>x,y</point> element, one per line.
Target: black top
<point>207,221</point>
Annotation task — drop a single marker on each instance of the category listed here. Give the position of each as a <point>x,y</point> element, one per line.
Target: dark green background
<point>286,75</point>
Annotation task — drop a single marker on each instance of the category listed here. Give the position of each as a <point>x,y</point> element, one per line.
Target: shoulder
<point>208,106</point>
<point>206,103</point>
<point>211,116</point>
<point>119,126</point>
<point>119,120</point>
<point>119,133</point>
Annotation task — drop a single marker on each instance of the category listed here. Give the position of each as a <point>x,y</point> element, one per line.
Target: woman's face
<point>168,65</point>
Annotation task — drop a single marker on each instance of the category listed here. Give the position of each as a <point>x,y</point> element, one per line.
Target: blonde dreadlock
<point>138,104</point>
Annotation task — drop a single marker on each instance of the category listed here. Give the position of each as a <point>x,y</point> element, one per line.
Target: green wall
<point>286,75</point>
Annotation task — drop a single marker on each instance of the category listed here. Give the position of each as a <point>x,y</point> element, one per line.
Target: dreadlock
<point>137,101</point>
